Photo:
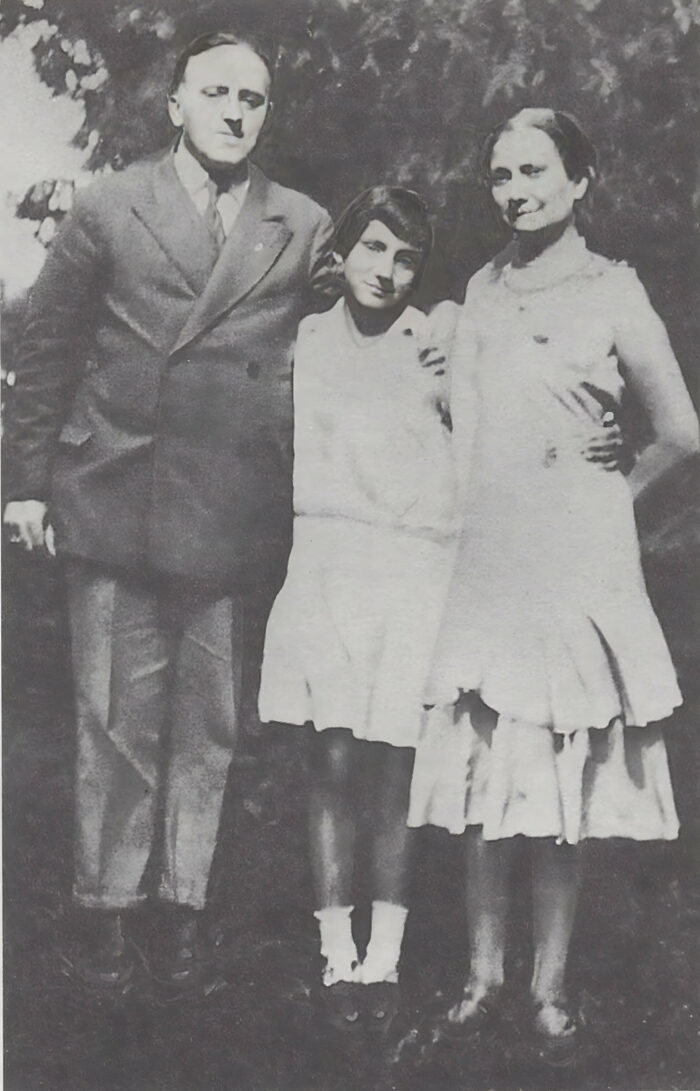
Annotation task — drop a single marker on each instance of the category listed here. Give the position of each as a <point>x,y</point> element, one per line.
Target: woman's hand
<point>607,447</point>
<point>652,373</point>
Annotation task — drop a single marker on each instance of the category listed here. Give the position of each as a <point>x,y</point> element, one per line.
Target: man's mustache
<point>235,125</point>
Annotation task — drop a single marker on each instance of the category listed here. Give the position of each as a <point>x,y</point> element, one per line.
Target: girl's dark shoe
<point>339,1005</point>
<point>381,1004</point>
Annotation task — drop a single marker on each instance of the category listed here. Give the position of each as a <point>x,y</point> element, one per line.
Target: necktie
<point>212,216</point>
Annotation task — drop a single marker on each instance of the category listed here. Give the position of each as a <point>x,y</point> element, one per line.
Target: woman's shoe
<point>556,1032</point>
<point>473,1010</point>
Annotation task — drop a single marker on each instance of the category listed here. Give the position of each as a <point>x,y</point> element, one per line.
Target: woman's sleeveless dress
<point>548,619</point>
<point>351,634</point>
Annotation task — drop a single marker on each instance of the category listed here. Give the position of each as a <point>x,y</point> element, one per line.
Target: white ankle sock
<point>337,945</point>
<point>384,948</point>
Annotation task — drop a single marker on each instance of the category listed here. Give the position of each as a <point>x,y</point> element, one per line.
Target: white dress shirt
<point>194,178</point>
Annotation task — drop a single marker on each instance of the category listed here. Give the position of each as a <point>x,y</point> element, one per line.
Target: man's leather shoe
<point>104,959</point>
<point>186,967</point>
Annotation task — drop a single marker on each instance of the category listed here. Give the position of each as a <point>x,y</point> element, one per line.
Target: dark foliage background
<point>368,91</point>
<point>404,90</point>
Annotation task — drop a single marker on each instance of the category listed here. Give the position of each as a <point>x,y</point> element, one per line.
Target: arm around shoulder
<point>322,233</point>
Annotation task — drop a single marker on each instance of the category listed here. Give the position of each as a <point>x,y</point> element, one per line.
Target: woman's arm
<point>653,374</point>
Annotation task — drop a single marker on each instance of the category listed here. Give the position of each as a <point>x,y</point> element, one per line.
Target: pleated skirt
<point>476,768</point>
<point>350,638</point>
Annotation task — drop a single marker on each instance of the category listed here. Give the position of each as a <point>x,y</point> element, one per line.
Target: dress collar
<point>563,259</point>
<point>411,322</point>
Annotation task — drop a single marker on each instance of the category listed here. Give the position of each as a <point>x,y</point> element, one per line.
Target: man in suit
<point>150,429</point>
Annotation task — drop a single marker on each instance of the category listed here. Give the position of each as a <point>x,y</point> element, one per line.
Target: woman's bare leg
<point>556,882</point>
<point>487,898</point>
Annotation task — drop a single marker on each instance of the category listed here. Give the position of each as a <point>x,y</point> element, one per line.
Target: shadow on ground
<point>634,964</point>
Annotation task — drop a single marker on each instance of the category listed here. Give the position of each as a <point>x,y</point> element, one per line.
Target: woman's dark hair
<point>577,151</point>
<point>399,209</point>
<point>205,42</point>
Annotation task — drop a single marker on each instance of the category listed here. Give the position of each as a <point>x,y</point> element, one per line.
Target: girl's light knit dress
<point>350,637</point>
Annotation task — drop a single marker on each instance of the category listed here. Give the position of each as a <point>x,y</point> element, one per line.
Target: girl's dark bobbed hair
<point>401,210</point>
<point>577,151</point>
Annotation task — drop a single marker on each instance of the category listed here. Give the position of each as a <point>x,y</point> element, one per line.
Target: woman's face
<point>529,182</point>
<point>380,269</point>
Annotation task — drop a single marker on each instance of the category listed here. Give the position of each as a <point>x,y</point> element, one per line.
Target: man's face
<point>221,104</point>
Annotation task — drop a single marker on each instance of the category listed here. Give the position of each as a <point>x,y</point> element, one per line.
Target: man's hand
<point>436,339</point>
<point>24,521</point>
<point>433,358</point>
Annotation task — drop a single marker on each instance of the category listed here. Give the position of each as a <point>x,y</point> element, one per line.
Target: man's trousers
<point>157,673</point>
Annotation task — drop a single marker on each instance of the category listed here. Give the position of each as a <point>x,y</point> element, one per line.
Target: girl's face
<point>380,269</point>
<point>529,182</point>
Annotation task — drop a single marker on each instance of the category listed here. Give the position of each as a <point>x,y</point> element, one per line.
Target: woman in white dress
<point>551,672</point>
<point>349,640</point>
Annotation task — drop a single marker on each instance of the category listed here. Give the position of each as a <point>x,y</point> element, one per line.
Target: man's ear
<point>268,114</point>
<point>174,110</point>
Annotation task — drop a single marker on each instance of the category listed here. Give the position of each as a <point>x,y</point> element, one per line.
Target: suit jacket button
<point>253,370</point>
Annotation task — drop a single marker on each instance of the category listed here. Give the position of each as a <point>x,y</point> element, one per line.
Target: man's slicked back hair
<point>212,40</point>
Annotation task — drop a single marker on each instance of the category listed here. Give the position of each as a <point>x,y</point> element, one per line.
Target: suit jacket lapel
<point>259,235</point>
<point>168,213</point>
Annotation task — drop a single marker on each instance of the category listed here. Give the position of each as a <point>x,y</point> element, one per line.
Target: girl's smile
<point>380,269</point>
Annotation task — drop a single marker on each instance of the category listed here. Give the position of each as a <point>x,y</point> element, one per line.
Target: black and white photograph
<point>350,543</point>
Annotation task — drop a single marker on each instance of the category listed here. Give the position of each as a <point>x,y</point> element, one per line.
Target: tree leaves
<point>404,90</point>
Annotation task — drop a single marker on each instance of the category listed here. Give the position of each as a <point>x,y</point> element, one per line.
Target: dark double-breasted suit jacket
<point>153,403</point>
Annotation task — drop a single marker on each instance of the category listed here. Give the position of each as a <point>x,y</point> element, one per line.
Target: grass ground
<point>634,961</point>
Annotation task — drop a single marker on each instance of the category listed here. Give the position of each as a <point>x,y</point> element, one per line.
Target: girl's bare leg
<point>332,826</point>
<point>332,816</point>
<point>388,779</point>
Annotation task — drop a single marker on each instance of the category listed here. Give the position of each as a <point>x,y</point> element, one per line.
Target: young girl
<point>549,636</point>
<point>351,633</point>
